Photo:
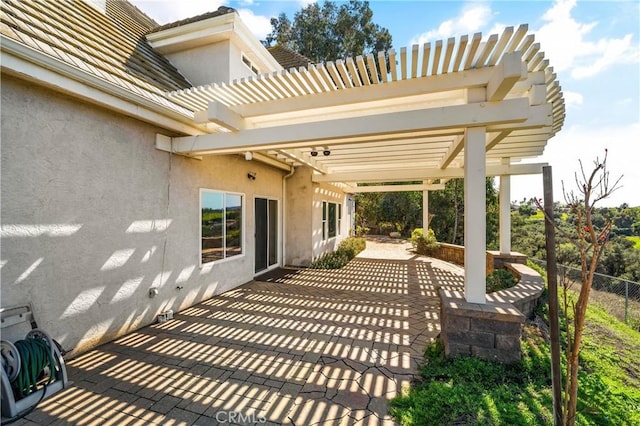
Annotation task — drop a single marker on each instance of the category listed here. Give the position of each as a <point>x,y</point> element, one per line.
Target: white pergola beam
<point>495,138</point>
<point>271,161</point>
<point>222,116</point>
<point>424,174</point>
<point>351,129</point>
<point>303,158</point>
<point>398,188</point>
<point>375,92</point>
<point>452,152</point>
<point>505,75</point>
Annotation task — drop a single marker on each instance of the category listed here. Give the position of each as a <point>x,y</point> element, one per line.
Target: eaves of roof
<point>105,49</point>
<point>222,10</point>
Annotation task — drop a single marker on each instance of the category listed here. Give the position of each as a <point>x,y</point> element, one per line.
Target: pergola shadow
<point>313,347</point>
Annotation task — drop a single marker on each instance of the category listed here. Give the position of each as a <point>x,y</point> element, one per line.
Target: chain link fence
<point>619,297</point>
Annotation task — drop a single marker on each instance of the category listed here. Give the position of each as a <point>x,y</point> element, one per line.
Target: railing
<point>619,297</point>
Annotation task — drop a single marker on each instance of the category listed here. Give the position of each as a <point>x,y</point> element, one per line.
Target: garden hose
<point>35,357</point>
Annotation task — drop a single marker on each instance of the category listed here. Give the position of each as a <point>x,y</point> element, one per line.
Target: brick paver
<point>315,347</point>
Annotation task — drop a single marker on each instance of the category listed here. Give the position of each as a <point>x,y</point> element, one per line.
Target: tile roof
<point>288,58</point>
<point>110,46</point>
<point>222,10</point>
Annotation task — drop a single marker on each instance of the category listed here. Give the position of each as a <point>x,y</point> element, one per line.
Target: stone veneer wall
<point>492,330</point>
<point>455,254</point>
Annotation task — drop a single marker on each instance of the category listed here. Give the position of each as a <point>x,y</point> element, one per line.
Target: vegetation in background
<point>375,211</point>
<point>424,243</point>
<point>330,31</point>
<point>347,250</point>
<point>636,241</point>
<point>470,391</point>
<point>620,259</point>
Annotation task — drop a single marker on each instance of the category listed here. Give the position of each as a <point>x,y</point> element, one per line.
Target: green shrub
<point>500,279</point>
<point>423,244</point>
<point>347,250</point>
<point>386,227</point>
<point>354,243</point>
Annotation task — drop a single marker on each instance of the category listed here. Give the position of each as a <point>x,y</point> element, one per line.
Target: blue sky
<point>593,46</point>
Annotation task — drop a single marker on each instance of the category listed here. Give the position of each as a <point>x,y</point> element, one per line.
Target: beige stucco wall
<point>197,64</point>
<point>304,217</point>
<point>93,216</point>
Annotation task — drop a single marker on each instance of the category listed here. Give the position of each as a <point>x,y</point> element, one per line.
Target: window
<point>331,219</point>
<point>221,229</point>
<point>249,64</point>
<point>324,220</point>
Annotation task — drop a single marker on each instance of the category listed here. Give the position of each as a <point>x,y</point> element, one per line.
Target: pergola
<point>465,107</point>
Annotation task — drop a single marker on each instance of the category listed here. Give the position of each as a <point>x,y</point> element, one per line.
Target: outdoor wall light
<point>251,175</point>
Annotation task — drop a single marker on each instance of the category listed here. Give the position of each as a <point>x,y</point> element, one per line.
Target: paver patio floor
<point>310,347</point>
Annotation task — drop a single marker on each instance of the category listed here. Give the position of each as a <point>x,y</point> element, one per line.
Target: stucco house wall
<point>218,62</point>
<point>330,194</point>
<point>298,214</point>
<point>304,218</point>
<point>93,216</point>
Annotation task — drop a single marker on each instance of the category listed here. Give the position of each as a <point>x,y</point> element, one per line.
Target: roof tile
<point>109,46</point>
<point>288,58</point>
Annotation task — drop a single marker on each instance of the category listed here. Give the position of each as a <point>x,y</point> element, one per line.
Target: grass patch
<point>469,391</point>
<point>636,241</point>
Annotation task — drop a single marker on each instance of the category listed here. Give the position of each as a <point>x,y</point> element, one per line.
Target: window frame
<point>326,219</point>
<point>243,227</point>
<point>249,64</point>
<point>325,215</point>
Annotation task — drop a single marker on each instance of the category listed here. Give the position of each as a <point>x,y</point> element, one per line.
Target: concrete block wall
<point>491,331</point>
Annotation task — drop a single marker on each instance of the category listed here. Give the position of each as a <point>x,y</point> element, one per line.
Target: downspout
<point>284,212</point>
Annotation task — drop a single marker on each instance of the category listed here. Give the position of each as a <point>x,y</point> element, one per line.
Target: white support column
<point>425,210</point>
<point>475,213</point>
<point>505,211</point>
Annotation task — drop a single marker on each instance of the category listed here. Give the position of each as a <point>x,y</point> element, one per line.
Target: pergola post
<point>475,209</point>
<point>425,210</point>
<point>505,211</point>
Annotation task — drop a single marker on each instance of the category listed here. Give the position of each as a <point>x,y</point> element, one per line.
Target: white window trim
<point>244,228</point>
<point>325,222</point>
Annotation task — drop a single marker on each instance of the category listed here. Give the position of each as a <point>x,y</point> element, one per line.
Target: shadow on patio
<point>304,347</point>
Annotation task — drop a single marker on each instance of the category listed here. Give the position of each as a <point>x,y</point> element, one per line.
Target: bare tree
<point>591,188</point>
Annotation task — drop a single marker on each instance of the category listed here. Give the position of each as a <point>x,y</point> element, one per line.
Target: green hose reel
<point>32,368</point>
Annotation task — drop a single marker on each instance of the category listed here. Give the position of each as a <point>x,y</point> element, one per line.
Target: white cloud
<point>567,45</point>
<point>572,98</point>
<point>259,25</point>
<point>588,143</point>
<point>471,19</point>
